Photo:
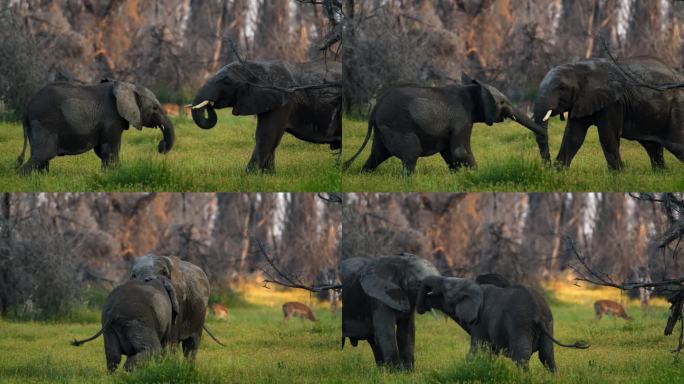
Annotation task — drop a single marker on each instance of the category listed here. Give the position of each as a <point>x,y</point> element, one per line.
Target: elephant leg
<point>43,149</point>
<point>546,353</point>
<point>107,154</point>
<point>676,149</point>
<point>379,153</point>
<point>459,146</point>
<point>112,350</point>
<point>377,354</point>
<point>144,341</point>
<point>573,138</point>
<point>270,130</point>
<point>655,153</point>
<point>543,144</point>
<point>610,143</point>
<point>520,350</point>
<point>34,164</point>
<point>406,335</point>
<point>190,346</point>
<point>385,337</point>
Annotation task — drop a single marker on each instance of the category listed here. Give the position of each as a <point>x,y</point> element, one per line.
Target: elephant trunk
<point>426,286</point>
<point>169,136</point>
<point>675,314</point>
<point>541,116</point>
<point>526,122</point>
<point>199,106</point>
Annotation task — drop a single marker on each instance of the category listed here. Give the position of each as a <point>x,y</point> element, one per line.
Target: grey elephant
<point>70,119</point>
<point>413,121</point>
<point>597,92</point>
<point>192,289</point>
<point>500,316</point>
<point>137,321</point>
<point>266,89</point>
<point>378,301</point>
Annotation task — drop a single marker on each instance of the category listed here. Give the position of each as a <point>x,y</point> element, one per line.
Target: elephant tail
<point>212,336</point>
<point>577,344</point>
<point>78,343</point>
<point>348,163</point>
<point>25,124</point>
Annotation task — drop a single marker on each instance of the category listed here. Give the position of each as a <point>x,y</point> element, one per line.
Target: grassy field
<point>261,349</point>
<point>508,160</point>
<point>211,160</point>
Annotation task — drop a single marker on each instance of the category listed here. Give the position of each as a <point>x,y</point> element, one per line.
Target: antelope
<point>295,308</point>
<point>609,307</point>
<point>220,311</point>
<point>172,109</point>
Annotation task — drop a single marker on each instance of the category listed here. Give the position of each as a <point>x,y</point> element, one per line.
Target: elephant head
<point>495,106</point>
<point>581,89</point>
<point>140,108</point>
<point>150,267</point>
<point>247,87</point>
<point>461,299</point>
<point>677,301</point>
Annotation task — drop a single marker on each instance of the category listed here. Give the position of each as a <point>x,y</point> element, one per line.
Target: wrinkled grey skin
<point>378,301</point>
<point>70,119</point>
<point>412,122</point>
<point>192,289</point>
<point>137,321</point>
<point>500,316</point>
<point>256,88</point>
<point>595,92</point>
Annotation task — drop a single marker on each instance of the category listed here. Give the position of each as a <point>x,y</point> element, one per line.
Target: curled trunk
<point>540,110</point>
<point>198,115</point>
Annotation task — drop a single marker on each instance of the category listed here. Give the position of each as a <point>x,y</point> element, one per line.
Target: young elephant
<point>192,287</point>
<point>413,121</point>
<point>509,318</point>
<point>137,321</point>
<point>70,119</point>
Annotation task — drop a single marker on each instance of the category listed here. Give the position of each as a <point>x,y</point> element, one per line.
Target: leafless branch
<point>284,279</point>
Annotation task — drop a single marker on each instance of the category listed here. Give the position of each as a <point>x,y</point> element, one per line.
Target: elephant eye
<point>133,276</point>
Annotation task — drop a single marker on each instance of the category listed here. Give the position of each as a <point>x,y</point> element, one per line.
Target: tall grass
<point>261,349</point>
<point>508,160</point>
<point>201,160</point>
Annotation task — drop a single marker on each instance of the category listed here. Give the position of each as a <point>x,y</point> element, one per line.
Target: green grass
<point>260,349</point>
<point>508,160</point>
<point>201,160</point>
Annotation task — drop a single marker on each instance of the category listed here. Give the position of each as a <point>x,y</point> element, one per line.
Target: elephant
<point>192,289</point>
<point>597,92</point>
<point>413,121</point>
<point>378,300</point>
<point>70,119</point>
<point>265,89</point>
<point>137,321</point>
<point>502,316</point>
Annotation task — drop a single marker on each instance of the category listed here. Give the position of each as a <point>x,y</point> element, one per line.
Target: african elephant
<point>596,92</point>
<point>137,321</point>
<point>264,89</point>
<point>504,317</point>
<point>378,299</point>
<point>192,289</point>
<point>70,119</point>
<point>412,122</point>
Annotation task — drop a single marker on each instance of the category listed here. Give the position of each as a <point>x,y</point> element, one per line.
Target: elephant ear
<point>387,292</point>
<point>254,100</point>
<point>487,103</point>
<point>171,291</point>
<point>468,301</point>
<point>127,103</point>
<point>597,93</point>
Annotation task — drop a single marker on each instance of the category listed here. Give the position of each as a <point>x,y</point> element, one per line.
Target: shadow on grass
<point>142,175</point>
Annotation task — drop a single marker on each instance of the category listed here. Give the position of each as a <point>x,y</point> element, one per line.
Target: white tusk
<point>548,114</point>
<point>203,104</point>
<point>434,313</point>
<point>514,118</point>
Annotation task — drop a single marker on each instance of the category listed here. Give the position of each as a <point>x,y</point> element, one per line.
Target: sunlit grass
<point>508,160</point>
<point>201,160</point>
<point>261,349</point>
